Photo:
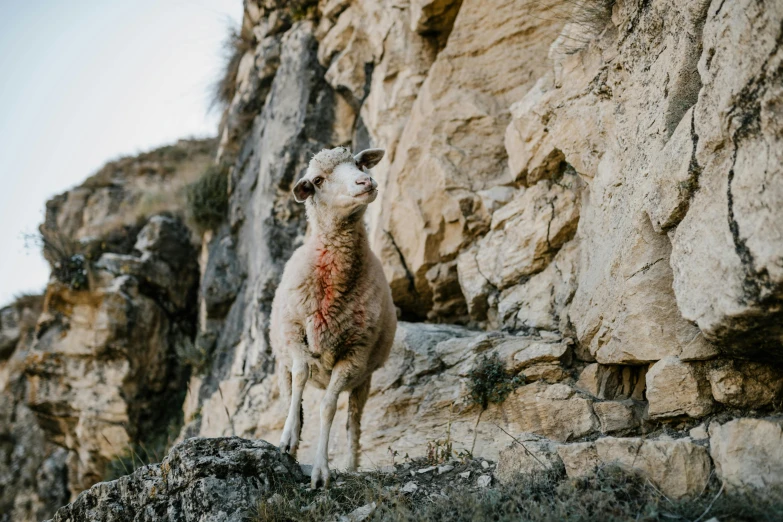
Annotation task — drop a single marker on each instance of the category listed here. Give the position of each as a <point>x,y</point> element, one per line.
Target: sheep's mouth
<point>366,193</point>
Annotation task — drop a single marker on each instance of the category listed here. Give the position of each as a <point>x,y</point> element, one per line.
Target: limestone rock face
<point>454,134</point>
<point>103,372</point>
<point>210,480</point>
<point>246,257</point>
<point>726,253</point>
<point>33,471</point>
<point>678,467</point>
<point>125,192</point>
<point>539,171</point>
<point>748,453</point>
<point>426,384</point>
<point>741,384</point>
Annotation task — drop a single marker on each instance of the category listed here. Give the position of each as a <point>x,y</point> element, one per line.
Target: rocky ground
<point>233,480</point>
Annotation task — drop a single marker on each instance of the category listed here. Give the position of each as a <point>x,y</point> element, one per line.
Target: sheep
<point>333,319</point>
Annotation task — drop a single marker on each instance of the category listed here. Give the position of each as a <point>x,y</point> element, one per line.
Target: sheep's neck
<point>338,257</point>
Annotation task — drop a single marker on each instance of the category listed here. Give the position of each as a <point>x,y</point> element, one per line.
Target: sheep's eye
<point>318,181</point>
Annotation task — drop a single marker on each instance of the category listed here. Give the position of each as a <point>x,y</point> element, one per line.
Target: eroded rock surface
<point>33,471</point>
<point>748,453</point>
<point>679,467</point>
<point>210,480</point>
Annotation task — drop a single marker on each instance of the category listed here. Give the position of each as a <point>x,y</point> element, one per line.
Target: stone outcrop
<point>543,165</point>
<point>106,369</point>
<point>112,203</point>
<point>104,373</point>
<point>209,480</point>
<point>33,471</point>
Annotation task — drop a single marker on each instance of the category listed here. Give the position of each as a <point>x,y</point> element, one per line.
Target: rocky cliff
<point>587,194</point>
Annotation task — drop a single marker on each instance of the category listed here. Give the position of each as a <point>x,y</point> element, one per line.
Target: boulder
<point>748,453</point>
<point>210,480</point>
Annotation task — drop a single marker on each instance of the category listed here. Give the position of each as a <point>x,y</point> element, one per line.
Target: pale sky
<point>86,81</point>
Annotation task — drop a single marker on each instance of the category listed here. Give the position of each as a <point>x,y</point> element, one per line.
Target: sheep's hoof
<point>319,477</point>
<point>288,446</point>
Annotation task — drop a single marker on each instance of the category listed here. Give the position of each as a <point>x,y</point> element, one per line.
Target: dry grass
<point>610,495</point>
<point>235,46</point>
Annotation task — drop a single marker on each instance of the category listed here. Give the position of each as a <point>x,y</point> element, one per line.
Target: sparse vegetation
<point>302,9</point>
<point>609,495</point>
<point>235,46</point>
<point>490,382</point>
<point>208,198</point>
<point>67,257</point>
<point>195,354</point>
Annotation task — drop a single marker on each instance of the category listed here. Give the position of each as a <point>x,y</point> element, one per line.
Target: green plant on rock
<point>490,382</point>
<point>208,198</point>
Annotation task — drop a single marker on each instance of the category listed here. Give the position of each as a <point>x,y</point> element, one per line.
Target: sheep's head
<point>338,181</point>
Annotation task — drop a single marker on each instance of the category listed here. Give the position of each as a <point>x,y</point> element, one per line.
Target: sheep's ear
<point>369,158</point>
<point>303,190</point>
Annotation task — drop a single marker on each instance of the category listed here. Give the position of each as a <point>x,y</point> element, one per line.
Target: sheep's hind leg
<point>289,442</point>
<point>356,402</point>
<point>337,382</point>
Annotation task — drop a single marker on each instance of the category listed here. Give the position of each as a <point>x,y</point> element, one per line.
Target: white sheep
<point>333,319</point>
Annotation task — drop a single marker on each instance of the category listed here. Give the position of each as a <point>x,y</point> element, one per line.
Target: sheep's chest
<point>338,318</point>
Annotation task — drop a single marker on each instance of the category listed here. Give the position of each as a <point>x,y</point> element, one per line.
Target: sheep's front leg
<point>289,442</point>
<point>356,402</point>
<point>320,475</point>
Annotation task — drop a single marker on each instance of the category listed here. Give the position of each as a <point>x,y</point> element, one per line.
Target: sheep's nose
<point>365,182</point>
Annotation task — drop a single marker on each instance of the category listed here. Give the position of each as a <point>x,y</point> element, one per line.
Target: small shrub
<point>208,198</point>
<point>490,382</point>
<point>68,257</point>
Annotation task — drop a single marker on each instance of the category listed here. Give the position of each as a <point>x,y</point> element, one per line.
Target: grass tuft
<point>208,198</point>
<point>235,46</point>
